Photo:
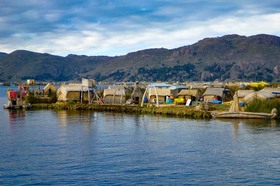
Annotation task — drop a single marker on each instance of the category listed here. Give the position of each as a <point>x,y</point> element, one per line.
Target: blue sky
<point>117,27</point>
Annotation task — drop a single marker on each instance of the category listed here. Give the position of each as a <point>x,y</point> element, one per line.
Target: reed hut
<point>265,93</point>
<point>160,92</point>
<point>83,92</point>
<point>192,94</point>
<point>114,94</point>
<point>164,92</point>
<point>136,94</point>
<point>157,93</point>
<point>175,89</point>
<point>49,88</point>
<point>274,92</point>
<point>213,94</point>
<point>73,92</point>
<point>242,93</point>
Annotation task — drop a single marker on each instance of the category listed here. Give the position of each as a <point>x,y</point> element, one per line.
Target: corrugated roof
<point>161,85</point>
<point>174,87</point>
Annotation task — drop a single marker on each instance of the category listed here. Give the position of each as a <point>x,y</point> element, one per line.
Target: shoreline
<point>172,110</point>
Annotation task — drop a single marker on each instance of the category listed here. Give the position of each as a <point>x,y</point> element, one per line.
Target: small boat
<point>235,112</point>
<point>248,115</point>
<point>16,99</point>
<point>7,106</point>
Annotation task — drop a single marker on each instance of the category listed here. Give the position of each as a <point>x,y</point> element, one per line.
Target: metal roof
<point>160,85</point>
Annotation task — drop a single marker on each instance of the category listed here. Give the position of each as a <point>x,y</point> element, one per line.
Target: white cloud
<point>134,32</point>
<point>247,25</point>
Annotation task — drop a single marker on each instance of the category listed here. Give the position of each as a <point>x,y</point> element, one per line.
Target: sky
<point>117,27</point>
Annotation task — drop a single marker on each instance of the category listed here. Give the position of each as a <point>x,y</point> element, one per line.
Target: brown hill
<point>230,57</point>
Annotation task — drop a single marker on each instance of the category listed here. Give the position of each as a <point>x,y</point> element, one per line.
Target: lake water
<point>49,147</point>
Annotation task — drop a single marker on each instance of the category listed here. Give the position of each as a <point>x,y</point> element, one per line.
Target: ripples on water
<point>94,148</point>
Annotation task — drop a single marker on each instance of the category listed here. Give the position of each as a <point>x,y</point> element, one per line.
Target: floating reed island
<point>156,98</point>
<point>172,110</point>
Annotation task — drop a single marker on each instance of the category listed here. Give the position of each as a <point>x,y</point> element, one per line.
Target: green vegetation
<point>178,72</point>
<point>219,107</point>
<point>30,98</point>
<point>266,106</point>
<point>6,84</point>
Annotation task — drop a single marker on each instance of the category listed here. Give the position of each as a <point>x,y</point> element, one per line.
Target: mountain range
<point>226,58</point>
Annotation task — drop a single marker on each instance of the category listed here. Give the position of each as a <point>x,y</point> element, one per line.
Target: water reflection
<point>253,125</point>
<point>16,116</point>
<point>67,117</point>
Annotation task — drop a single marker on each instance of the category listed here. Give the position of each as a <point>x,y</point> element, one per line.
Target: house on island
<point>176,89</point>
<point>114,94</point>
<point>161,93</point>
<point>193,94</point>
<point>49,89</point>
<point>213,95</point>
<point>265,93</point>
<point>275,92</point>
<point>83,92</point>
<point>136,94</point>
<point>242,93</point>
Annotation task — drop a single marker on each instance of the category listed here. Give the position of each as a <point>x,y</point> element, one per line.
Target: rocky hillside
<point>230,57</point>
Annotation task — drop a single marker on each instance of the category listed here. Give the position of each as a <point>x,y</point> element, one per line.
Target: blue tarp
<point>216,101</point>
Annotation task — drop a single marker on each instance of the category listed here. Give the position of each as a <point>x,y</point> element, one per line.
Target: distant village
<point>159,93</point>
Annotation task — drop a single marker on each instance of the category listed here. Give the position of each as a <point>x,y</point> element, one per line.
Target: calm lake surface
<point>49,147</point>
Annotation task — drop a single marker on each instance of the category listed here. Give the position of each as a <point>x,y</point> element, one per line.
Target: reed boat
<point>235,112</point>
<point>16,99</point>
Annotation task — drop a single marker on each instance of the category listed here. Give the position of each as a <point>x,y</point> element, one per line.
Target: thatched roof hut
<point>158,92</point>
<point>257,95</point>
<point>175,89</point>
<point>265,93</point>
<point>274,92</point>
<point>213,93</point>
<point>242,93</point>
<point>189,93</point>
<point>136,94</point>
<point>161,92</point>
<point>73,92</point>
<point>114,94</point>
<point>49,88</point>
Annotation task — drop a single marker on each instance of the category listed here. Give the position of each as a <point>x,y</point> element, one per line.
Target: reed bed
<point>258,105</point>
<point>189,112</point>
